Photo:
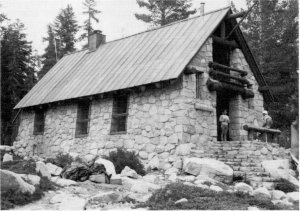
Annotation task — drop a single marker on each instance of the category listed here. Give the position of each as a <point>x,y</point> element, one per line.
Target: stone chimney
<point>202,4</point>
<point>95,39</point>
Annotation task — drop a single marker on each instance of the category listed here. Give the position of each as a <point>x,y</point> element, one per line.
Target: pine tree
<point>91,11</point>
<point>163,12</point>
<point>2,16</point>
<point>17,73</point>
<point>61,39</point>
<point>50,56</point>
<point>271,30</point>
<point>65,28</point>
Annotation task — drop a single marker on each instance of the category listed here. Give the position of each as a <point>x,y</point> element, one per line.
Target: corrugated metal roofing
<point>152,56</point>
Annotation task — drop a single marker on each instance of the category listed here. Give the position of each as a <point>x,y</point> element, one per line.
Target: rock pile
<point>6,153</point>
<point>14,182</point>
<point>208,167</point>
<point>129,187</point>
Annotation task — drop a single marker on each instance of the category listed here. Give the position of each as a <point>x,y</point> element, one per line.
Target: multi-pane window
<point>39,122</point>
<point>119,113</point>
<point>82,122</point>
<point>198,86</point>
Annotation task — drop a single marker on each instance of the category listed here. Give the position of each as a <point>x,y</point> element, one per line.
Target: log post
<point>265,137</point>
<point>251,135</point>
<point>229,43</point>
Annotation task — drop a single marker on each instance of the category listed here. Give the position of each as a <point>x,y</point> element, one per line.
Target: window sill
<point>203,107</point>
<point>81,135</point>
<point>118,133</point>
<point>38,133</point>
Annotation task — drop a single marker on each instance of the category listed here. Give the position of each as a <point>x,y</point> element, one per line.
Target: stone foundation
<point>244,157</point>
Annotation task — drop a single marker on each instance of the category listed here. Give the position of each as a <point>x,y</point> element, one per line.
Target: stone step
<point>268,185</point>
<point>239,173</point>
<point>258,174</point>
<point>269,179</point>
<point>228,142</point>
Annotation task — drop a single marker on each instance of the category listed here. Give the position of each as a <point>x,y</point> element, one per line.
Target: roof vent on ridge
<point>202,4</point>
<point>96,38</point>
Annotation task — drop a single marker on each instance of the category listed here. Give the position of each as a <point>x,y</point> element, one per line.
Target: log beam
<point>263,88</point>
<point>223,30</point>
<point>191,69</point>
<point>241,80</point>
<point>229,43</point>
<point>236,15</point>
<point>215,65</point>
<point>142,88</point>
<point>260,129</point>
<point>173,81</point>
<point>214,85</point>
<point>266,132</point>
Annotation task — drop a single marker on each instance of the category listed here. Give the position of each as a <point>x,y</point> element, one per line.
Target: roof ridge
<point>67,54</point>
<point>155,28</point>
<point>160,27</point>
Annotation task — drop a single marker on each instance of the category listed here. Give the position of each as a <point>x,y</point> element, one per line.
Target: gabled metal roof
<point>152,56</point>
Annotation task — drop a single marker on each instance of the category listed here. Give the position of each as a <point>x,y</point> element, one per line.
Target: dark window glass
<point>119,114</point>
<point>198,86</point>
<point>82,122</point>
<point>39,122</point>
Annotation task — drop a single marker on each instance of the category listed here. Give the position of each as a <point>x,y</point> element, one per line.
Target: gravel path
<point>84,190</point>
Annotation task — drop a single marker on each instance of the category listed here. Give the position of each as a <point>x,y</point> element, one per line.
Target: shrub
<point>122,158</point>
<point>79,160</point>
<point>202,199</point>
<point>208,183</point>
<point>60,160</point>
<point>46,184</point>
<point>237,178</point>
<point>9,198</point>
<point>286,186</point>
<point>20,166</point>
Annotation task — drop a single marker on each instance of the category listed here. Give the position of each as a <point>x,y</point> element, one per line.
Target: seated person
<point>267,120</point>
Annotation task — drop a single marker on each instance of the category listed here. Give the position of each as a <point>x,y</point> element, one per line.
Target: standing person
<point>267,120</point>
<point>224,120</point>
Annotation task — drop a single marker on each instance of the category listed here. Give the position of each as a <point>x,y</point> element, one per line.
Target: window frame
<point>115,115</point>
<point>80,121</point>
<point>198,85</point>
<point>39,122</point>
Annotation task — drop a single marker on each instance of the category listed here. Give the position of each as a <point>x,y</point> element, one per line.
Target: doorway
<point>223,99</point>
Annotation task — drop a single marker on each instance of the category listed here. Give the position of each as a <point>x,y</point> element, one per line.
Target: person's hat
<point>265,112</point>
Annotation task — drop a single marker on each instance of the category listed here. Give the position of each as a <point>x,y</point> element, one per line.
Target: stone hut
<point>159,93</point>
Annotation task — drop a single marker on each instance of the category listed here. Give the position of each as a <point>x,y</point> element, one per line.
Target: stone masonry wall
<point>244,111</point>
<point>202,110</point>
<point>158,121</point>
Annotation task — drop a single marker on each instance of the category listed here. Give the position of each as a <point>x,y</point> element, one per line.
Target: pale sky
<point>116,19</point>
